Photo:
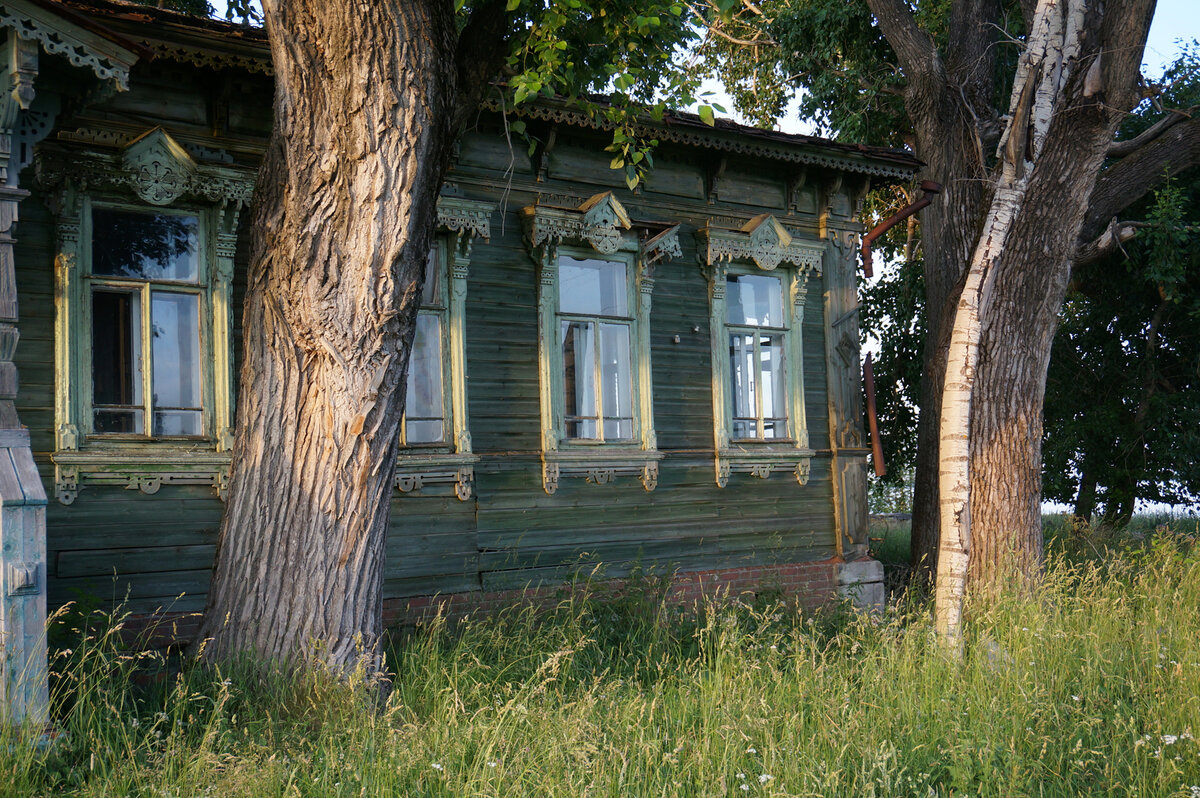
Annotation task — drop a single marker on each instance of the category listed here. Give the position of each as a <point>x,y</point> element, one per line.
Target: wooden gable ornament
<point>762,240</point>
<point>160,169</point>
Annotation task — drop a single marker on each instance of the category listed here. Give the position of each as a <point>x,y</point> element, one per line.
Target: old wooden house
<point>663,378</point>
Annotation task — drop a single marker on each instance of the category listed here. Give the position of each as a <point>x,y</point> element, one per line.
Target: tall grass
<point>1089,687</point>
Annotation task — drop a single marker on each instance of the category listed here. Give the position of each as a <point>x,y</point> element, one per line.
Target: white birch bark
<point>1051,51</point>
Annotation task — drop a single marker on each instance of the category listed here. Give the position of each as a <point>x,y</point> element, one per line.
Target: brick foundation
<point>812,584</point>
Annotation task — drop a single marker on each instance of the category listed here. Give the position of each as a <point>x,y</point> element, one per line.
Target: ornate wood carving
<point>106,59</point>
<point>453,464</point>
<point>844,389</point>
<point>144,468</point>
<point>769,246</point>
<point>602,224</point>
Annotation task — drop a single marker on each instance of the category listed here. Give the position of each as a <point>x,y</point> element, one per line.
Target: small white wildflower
<point>1076,698</point>
<point>1195,788</point>
<point>751,750</point>
<point>764,778</point>
<point>745,788</point>
<point>1170,739</point>
<point>742,776</point>
<point>492,764</point>
<point>136,723</point>
<point>437,766</point>
<point>774,647</point>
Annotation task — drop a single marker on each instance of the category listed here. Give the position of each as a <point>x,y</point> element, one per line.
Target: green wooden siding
<point>117,543</point>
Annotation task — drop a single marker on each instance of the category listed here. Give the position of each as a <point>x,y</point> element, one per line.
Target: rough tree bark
<point>950,99</point>
<point>1078,75</point>
<point>368,97</point>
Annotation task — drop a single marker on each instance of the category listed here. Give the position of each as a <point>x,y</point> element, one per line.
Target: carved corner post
<point>846,437</point>
<point>23,687</point>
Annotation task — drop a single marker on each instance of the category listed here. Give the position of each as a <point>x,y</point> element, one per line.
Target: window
<point>143,320</point>
<point>434,434</point>
<point>757,333</point>
<point>595,324</point>
<point>425,408</point>
<point>594,291</point>
<point>147,288</point>
<point>758,287</point>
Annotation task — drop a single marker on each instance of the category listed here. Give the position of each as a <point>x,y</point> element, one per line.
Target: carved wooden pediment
<point>763,240</point>
<point>160,169</point>
<point>600,221</point>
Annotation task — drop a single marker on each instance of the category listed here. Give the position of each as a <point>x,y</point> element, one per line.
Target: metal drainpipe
<point>928,189</point>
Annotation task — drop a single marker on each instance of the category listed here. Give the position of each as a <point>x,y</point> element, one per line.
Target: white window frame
<point>762,245</point>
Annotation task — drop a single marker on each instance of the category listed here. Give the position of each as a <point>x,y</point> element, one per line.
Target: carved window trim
<point>460,222</point>
<point>152,172</point>
<point>600,227</point>
<point>762,245</point>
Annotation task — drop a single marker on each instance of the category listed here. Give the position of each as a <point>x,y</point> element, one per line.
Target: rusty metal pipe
<point>873,419</point>
<point>928,189</point>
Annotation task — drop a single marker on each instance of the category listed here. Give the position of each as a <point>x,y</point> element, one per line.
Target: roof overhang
<point>60,31</point>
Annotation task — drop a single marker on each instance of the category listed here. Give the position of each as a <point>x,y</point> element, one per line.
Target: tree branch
<point>1125,182</point>
<point>1119,149</point>
<point>915,49</point>
<point>482,47</point>
<point>1116,234</point>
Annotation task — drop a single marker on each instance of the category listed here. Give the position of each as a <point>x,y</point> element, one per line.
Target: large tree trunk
<point>364,114</point>
<point>1076,78</point>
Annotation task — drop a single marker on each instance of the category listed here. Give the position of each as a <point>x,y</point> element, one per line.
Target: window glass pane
<point>117,360</point>
<point>423,404</point>
<point>617,388</point>
<point>592,286</point>
<point>743,374</point>
<point>175,344</point>
<point>128,422</point>
<point>146,246</point>
<point>431,293</point>
<point>774,386</point>
<point>579,378</point>
<point>177,422</point>
<point>754,299</point>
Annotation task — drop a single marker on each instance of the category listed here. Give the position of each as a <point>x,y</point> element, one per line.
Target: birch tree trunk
<point>346,205</point>
<point>1076,77</point>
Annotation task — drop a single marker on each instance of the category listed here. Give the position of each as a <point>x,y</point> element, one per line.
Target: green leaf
<point>616,163</point>
<point>512,5</point>
<point>706,115</point>
<point>517,127</point>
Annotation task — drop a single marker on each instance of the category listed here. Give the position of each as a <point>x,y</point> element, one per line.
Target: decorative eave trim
<point>158,176</point>
<point>741,142</point>
<point>107,59</point>
<point>210,58</point>
<point>763,240</point>
<point>464,215</point>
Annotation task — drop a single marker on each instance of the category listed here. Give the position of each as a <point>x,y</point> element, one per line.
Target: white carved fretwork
<point>159,168</point>
<point>600,224</point>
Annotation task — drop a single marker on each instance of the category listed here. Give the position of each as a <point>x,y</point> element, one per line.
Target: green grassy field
<point>1091,686</point>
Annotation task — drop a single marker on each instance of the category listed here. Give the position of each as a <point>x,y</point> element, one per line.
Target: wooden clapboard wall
<point>113,543</point>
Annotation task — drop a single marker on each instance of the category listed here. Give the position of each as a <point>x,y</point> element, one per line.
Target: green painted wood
<point>510,533</point>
